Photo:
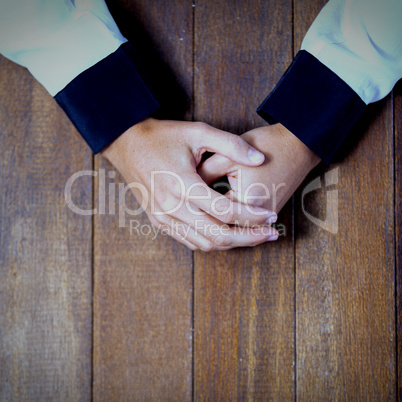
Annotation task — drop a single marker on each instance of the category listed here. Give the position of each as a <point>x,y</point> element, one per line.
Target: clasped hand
<point>164,158</point>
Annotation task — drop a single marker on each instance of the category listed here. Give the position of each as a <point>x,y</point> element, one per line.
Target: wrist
<point>115,150</point>
<point>299,153</point>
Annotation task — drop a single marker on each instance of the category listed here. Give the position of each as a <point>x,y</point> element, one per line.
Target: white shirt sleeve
<point>361,42</point>
<point>57,39</point>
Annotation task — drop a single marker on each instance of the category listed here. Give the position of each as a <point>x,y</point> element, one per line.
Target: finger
<point>214,168</point>
<point>200,242</point>
<point>229,145</point>
<point>221,207</point>
<point>164,227</point>
<point>183,227</point>
<point>183,240</point>
<point>224,237</point>
<point>185,234</point>
<point>235,237</point>
<point>249,237</point>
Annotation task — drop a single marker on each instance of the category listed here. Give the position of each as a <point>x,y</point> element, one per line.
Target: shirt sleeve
<point>76,51</point>
<point>350,57</point>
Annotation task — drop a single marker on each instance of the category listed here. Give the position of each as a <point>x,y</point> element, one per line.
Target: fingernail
<point>255,156</point>
<point>273,218</point>
<point>272,238</point>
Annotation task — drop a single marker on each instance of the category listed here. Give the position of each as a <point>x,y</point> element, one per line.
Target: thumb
<point>229,145</point>
<point>214,168</point>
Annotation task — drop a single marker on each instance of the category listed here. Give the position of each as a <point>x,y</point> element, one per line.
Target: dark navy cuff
<point>108,98</point>
<point>314,104</point>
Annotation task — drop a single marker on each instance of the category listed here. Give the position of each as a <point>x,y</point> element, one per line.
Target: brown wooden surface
<point>244,323</point>
<point>143,287</point>
<point>345,301</point>
<point>45,257</point>
<point>398,226</point>
<point>315,316</point>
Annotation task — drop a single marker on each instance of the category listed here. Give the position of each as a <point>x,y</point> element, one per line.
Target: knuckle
<point>199,127</point>
<point>259,202</point>
<point>221,240</point>
<point>171,186</point>
<point>228,217</point>
<point>207,247</point>
<point>168,203</point>
<point>163,220</point>
<point>236,143</point>
<point>222,206</point>
<point>225,212</point>
<point>176,189</point>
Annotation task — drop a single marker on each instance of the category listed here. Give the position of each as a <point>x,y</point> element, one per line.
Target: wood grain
<point>244,326</point>
<point>143,287</point>
<point>310,318</point>
<point>45,249</point>
<point>398,226</point>
<point>345,315</point>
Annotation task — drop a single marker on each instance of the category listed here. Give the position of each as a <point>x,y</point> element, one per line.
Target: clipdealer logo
<point>119,191</point>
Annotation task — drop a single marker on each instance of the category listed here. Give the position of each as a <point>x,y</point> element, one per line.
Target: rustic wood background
<point>88,311</point>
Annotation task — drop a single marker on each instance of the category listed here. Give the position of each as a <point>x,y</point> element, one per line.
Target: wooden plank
<point>244,324</point>
<point>143,287</point>
<point>398,226</point>
<point>45,248</point>
<point>345,315</point>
